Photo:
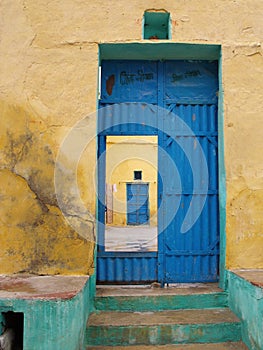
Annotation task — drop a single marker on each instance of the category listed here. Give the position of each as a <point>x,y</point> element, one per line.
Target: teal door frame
<point>183,51</point>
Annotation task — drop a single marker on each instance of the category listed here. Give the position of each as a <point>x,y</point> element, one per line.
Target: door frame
<point>182,51</point>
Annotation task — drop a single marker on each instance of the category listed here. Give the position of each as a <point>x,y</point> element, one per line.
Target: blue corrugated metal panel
<point>189,168</point>
<point>101,192</point>
<point>201,119</point>
<point>127,119</point>
<point>127,267</point>
<point>193,256</point>
<point>192,269</point>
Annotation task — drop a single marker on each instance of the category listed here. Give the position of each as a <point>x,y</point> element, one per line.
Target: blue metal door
<point>176,100</point>
<point>189,242</point>
<point>137,203</point>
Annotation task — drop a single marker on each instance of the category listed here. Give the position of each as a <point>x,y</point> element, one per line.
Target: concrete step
<point>195,296</point>
<point>163,327</point>
<point>210,346</point>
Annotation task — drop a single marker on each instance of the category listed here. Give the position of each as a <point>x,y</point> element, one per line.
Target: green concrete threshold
<point>164,327</point>
<point>211,346</point>
<point>156,299</point>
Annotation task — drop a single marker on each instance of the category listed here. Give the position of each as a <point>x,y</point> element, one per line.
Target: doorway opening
<point>13,330</point>
<point>176,100</point>
<point>131,195</point>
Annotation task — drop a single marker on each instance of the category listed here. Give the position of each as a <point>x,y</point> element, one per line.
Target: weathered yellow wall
<point>48,81</point>
<point>242,74</point>
<point>124,155</point>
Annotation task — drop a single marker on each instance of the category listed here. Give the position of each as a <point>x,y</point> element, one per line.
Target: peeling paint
<point>110,84</point>
<point>49,81</point>
<point>33,230</point>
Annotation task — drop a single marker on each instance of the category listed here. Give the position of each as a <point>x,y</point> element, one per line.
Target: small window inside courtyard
<point>156,25</point>
<point>137,175</point>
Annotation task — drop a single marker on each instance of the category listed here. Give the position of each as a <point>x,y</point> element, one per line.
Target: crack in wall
<point>40,201</point>
<point>17,147</point>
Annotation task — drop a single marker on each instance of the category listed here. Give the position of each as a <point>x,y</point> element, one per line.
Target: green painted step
<point>155,299</point>
<point>211,346</point>
<point>163,327</point>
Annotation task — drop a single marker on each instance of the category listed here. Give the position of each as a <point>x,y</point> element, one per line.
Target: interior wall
<point>124,156</point>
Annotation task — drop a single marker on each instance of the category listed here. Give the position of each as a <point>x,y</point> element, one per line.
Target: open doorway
<point>131,193</point>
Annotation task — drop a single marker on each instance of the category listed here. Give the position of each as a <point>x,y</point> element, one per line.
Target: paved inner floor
<point>141,238</point>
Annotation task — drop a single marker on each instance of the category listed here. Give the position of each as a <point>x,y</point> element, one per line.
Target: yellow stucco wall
<point>48,81</point>
<point>124,155</point>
